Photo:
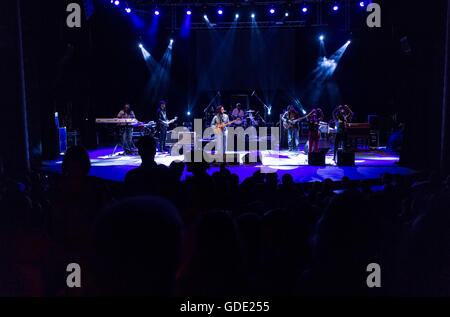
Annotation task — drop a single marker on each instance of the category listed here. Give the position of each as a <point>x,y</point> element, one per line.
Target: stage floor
<point>368,165</point>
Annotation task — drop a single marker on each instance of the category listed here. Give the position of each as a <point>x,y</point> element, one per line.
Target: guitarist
<point>342,115</point>
<point>162,125</point>
<point>219,123</point>
<point>290,122</point>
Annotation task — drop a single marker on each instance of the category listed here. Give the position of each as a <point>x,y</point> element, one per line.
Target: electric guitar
<point>166,123</point>
<point>221,126</point>
<point>290,124</point>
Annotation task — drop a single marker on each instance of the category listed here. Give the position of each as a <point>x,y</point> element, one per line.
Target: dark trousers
<point>341,139</point>
<point>293,139</point>
<point>127,140</point>
<point>162,138</point>
<point>313,140</point>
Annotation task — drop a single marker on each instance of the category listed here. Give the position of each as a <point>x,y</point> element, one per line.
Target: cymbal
<point>250,111</point>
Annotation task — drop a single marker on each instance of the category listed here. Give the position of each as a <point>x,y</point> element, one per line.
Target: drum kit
<point>251,118</point>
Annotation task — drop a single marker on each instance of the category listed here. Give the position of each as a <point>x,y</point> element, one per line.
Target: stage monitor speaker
<point>316,158</point>
<point>345,158</point>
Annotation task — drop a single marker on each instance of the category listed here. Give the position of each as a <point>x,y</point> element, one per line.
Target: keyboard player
<point>126,129</point>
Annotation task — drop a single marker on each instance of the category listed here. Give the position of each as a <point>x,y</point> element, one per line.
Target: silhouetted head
<point>136,247</point>
<point>147,148</point>
<point>287,179</point>
<point>76,162</point>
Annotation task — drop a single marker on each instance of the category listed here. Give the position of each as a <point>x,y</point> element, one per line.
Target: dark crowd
<point>154,234</point>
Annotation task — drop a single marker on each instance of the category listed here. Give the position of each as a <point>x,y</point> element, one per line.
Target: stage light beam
<point>252,15</point>
<point>236,16</point>
<point>321,37</point>
<point>156,12</point>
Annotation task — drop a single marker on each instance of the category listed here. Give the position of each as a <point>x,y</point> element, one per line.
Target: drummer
<point>238,114</point>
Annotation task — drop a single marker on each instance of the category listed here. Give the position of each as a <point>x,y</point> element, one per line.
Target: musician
<point>221,137</point>
<point>126,129</point>
<point>293,128</point>
<point>162,125</point>
<point>239,114</point>
<point>314,118</point>
<point>341,115</point>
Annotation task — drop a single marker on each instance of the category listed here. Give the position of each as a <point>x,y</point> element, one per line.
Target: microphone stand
<point>265,106</point>
<point>205,111</point>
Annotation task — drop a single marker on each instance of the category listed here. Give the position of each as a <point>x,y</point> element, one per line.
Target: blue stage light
<point>128,10</point>
<point>220,12</point>
<point>305,9</point>
<point>140,45</point>
<point>286,14</point>
<point>237,16</point>
<point>272,10</point>
<point>335,7</point>
<point>188,12</point>
<point>321,37</point>
<point>188,113</point>
<point>361,4</point>
<point>252,15</point>
<point>117,2</point>
<point>156,12</point>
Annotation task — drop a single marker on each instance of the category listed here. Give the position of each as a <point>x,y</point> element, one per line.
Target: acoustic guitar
<point>221,126</point>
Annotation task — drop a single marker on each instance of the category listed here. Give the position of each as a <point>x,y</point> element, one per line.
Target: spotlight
<point>220,12</point>
<point>117,2</point>
<point>188,12</point>
<point>127,10</point>
<point>286,14</point>
<point>305,9</point>
<point>272,10</point>
<point>237,16</point>
<point>140,45</point>
<point>348,42</point>
<point>335,7</point>
<point>321,37</point>
<point>156,12</point>
<point>188,113</point>
<point>252,15</point>
<point>171,41</point>
<point>361,4</point>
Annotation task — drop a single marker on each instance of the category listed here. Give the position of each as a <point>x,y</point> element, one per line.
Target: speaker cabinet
<point>316,158</point>
<point>345,158</point>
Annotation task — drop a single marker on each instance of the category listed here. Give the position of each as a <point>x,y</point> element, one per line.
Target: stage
<point>368,165</point>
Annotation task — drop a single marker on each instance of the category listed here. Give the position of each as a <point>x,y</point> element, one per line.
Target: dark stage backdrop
<point>245,59</point>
